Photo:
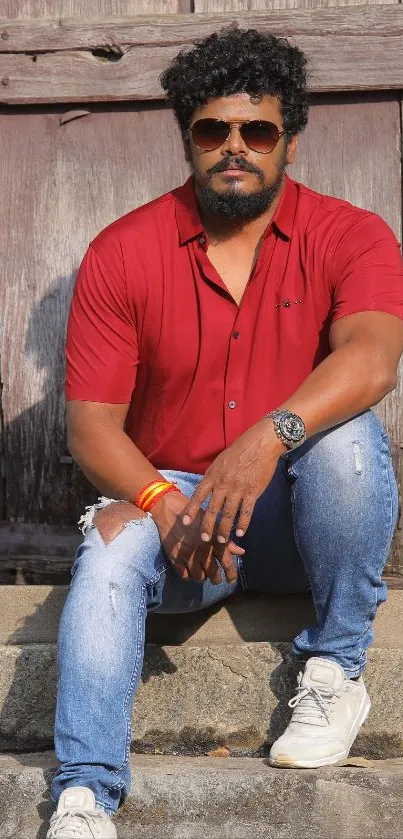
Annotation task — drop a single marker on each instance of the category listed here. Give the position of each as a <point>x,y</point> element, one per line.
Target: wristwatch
<point>289,427</point>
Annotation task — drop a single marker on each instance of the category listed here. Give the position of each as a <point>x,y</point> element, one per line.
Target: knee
<point>350,454</point>
<point>111,520</point>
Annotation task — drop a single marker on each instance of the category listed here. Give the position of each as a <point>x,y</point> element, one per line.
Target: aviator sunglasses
<point>258,134</point>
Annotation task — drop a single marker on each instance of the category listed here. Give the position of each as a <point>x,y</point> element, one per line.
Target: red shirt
<point>152,323</point>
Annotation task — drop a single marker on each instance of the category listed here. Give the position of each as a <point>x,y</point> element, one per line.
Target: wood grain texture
<point>351,64</point>
<point>63,34</point>
<point>351,149</point>
<point>61,184</point>
<point>20,9</point>
<point>264,5</point>
<point>346,50</point>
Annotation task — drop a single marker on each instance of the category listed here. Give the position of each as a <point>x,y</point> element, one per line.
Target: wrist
<point>288,427</point>
<point>168,505</point>
<point>276,445</point>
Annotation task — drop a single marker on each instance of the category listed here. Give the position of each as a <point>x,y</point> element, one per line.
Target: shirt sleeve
<point>367,270</point>
<point>101,344</point>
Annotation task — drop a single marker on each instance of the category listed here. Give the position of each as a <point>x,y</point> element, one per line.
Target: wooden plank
<point>345,63</point>
<point>2,455</point>
<point>330,155</point>
<point>76,33</point>
<point>112,8</point>
<point>77,60</point>
<point>29,8</point>
<point>73,179</point>
<point>231,6</point>
<point>2,441</point>
<point>38,540</point>
<point>90,8</point>
<point>43,554</point>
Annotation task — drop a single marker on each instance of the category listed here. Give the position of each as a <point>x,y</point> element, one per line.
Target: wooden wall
<point>65,178</point>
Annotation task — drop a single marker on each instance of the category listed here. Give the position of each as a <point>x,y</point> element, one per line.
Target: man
<point>225,345</point>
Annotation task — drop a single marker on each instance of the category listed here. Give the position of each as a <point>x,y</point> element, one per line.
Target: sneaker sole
<point>286,762</point>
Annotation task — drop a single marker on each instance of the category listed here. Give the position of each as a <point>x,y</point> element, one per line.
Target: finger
<point>213,569</point>
<point>245,515</point>
<point>204,555</point>
<point>188,557</point>
<point>202,491</point>
<point>229,566</point>
<point>235,549</point>
<point>228,513</point>
<point>178,562</point>
<point>211,512</point>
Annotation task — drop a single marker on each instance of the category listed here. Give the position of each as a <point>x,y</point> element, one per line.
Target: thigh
<point>272,562</point>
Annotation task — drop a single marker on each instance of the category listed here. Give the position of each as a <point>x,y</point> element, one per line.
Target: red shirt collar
<point>190,224</point>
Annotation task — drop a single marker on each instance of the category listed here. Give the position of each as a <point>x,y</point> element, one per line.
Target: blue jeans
<point>324,523</point>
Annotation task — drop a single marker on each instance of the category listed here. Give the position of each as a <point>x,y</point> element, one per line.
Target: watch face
<point>292,428</point>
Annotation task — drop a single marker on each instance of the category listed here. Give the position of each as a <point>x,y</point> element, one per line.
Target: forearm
<point>110,460</point>
<point>350,380</point>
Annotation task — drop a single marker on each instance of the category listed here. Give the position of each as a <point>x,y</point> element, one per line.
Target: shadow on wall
<point>43,484</point>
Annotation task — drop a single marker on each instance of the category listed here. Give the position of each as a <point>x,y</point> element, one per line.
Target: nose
<point>234,143</point>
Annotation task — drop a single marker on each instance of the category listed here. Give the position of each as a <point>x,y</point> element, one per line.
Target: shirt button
<point>202,240</point>
<point>236,334</point>
<point>232,404</point>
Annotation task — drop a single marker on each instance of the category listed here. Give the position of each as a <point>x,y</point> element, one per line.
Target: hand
<point>191,557</point>
<point>234,481</point>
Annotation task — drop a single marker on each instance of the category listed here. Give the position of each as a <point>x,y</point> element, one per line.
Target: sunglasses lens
<point>209,134</point>
<point>260,135</point>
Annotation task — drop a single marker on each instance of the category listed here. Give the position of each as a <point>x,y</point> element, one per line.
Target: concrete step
<point>31,614</point>
<point>205,686</point>
<point>218,798</point>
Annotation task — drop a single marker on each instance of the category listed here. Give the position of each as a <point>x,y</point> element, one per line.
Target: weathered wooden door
<point>86,137</point>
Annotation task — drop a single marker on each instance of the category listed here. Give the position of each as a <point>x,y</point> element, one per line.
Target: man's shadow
<point>43,484</point>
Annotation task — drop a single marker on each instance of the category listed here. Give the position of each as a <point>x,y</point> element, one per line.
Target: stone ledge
<point>31,614</point>
<point>195,798</point>
<point>193,699</point>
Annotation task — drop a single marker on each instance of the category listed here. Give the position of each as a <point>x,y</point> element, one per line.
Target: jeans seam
<point>129,689</point>
<point>390,536</point>
<point>148,582</point>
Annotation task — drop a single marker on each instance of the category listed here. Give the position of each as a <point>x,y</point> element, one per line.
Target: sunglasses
<point>258,134</point>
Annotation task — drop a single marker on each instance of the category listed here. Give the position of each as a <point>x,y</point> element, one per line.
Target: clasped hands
<point>197,544</point>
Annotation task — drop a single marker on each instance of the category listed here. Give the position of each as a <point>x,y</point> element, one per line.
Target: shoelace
<point>313,705</point>
<point>78,821</point>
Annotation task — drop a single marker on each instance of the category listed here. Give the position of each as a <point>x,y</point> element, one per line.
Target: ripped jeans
<point>324,523</point>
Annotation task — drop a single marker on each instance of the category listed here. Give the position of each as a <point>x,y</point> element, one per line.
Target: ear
<point>291,149</point>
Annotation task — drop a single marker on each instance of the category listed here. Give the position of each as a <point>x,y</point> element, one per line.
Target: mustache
<point>229,162</point>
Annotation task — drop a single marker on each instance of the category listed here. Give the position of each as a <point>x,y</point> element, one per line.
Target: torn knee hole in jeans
<point>86,522</point>
<point>357,457</point>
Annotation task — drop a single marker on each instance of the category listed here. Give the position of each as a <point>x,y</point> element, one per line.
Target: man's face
<point>247,192</point>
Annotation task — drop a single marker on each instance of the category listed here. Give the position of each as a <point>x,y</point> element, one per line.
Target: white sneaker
<point>78,817</point>
<point>328,713</point>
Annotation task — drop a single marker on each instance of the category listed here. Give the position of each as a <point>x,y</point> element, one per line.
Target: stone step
<point>208,678</point>
<point>218,798</point>
<point>31,614</point>
<point>193,699</point>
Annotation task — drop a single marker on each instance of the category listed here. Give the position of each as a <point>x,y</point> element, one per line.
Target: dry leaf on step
<point>222,751</point>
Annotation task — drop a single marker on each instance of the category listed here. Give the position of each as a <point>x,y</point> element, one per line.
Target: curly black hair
<point>238,61</point>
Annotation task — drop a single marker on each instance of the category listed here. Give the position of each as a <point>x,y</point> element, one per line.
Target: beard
<point>233,204</point>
